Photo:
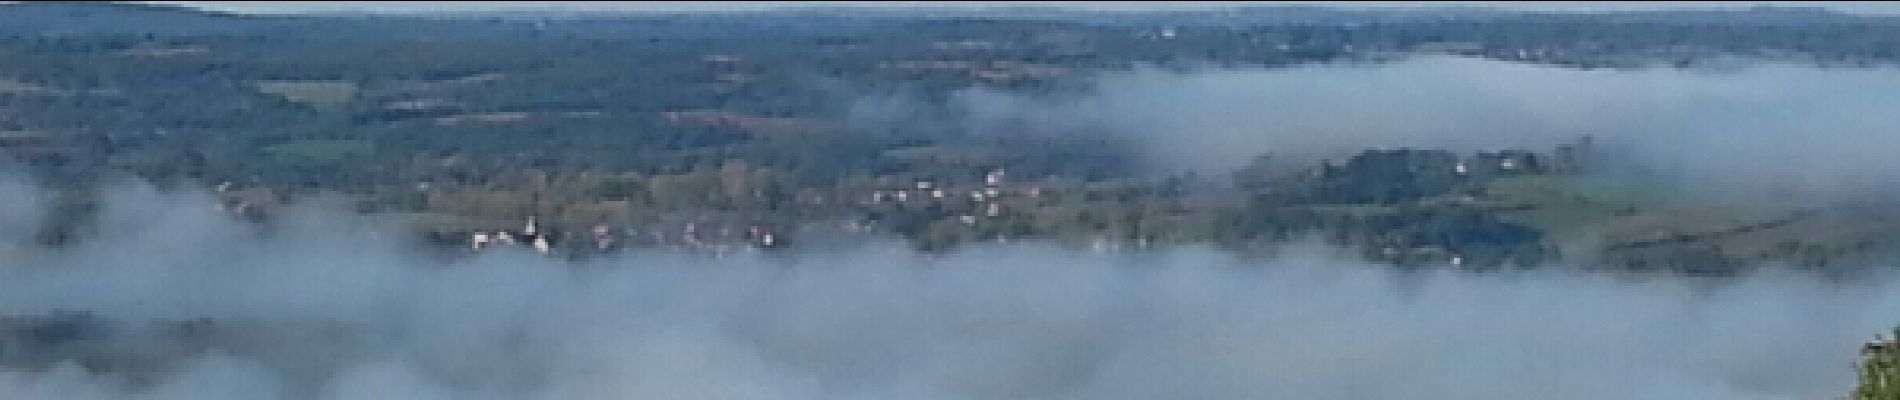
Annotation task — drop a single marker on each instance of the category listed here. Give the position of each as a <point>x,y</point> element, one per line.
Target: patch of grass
<point>1598,192</point>
<point>314,93</point>
<point>1565,205</point>
<point>1664,224</point>
<point>320,151</point>
<point>944,154</point>
<point>23,88</point>
<point>447,223</point>
<point>1350,210</point>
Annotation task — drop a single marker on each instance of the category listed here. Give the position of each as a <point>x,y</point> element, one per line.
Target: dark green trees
<point>1880,370</point>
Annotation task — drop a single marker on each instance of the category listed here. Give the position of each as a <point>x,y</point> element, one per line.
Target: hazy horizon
<point>1887,8</point>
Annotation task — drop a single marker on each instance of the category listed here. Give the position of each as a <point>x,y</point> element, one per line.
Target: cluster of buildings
<point>969,203</point>
<point>530,235</point>
<point>697,235</point>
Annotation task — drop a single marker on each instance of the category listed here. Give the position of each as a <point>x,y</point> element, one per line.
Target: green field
<point>1565,205</point>
<point>1605,212</point>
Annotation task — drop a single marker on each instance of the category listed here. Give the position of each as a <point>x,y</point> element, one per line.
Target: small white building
<point>477,240</point>
<point>542,246</point>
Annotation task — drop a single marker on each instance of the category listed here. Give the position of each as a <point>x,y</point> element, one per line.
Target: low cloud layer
<point>1021,322</point>
<point>19,207</point>
<point>1791,127</point>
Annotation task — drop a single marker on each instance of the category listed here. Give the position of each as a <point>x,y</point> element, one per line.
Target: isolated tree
<point>1880,370</point>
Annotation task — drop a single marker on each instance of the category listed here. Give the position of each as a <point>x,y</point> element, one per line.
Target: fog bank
<point>1764,125</point>
<point>19,207</point>
<point>1020,321</point>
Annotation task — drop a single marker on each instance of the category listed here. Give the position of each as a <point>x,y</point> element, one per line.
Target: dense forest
<point>591,133</point>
